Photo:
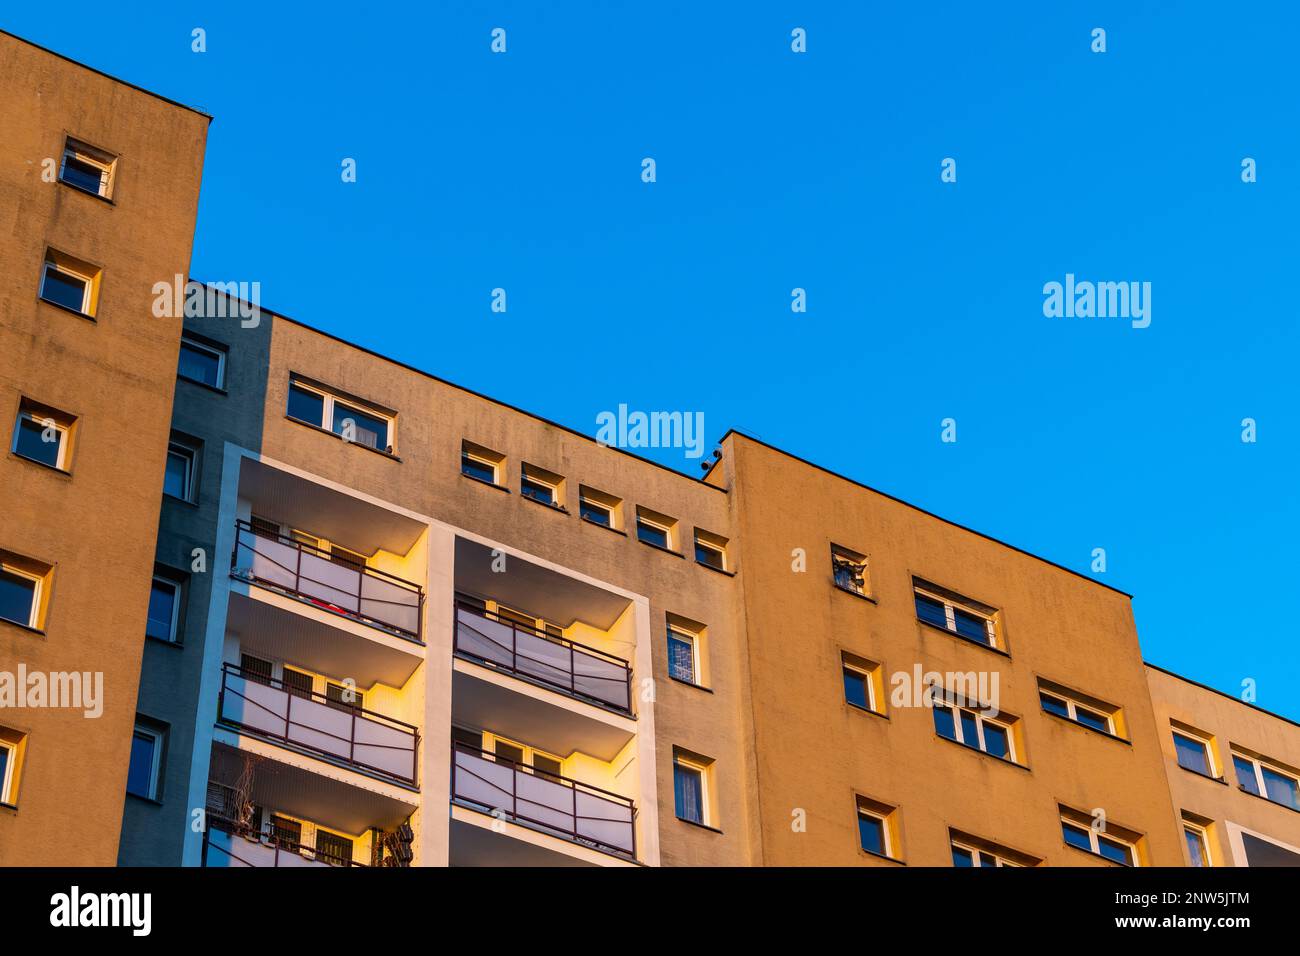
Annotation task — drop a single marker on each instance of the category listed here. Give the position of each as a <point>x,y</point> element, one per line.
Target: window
<point>1114,846</point>
<point>542,486</point>
<point>344,696</point>
<point>20,594</point>
<point>255,669</point>
<point>681,655</point>
<point>654,528</point>
<point>600,508</point>
<point>1257,777</point>
<point>87,168</point>
<point>969,856</point>
<point>202,362</point>
<point>849,570</point>
<point>143,773</point>
<point>860,677</point>
<point>332,848</point>
<point>1198,846</point>
<point>692,798</point>
<point>955,614</point>
<point>298,683</point>
<point>480,463</point>
<point>972,728</point>
<point>12,744</point>
<point>314,405</point>
<point>710,550</point>
<point>179,478</point>
<point>877,828</point>
<point>1080,709</point>
<point>43,435</point>
<point>1193,753</point>
<point>286,833</point>
<point>546,766</point>
<point>163,621</point>
<point>69,283</point>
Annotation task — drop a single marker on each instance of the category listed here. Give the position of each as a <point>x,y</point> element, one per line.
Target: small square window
<point>202,362</point>
<point>481,464</point>
<point>163,622</point>
<point>87,168</point>
<point>179,478</point>
<point>22,589</point>
<point>654,529</point>
<point>600,508</point>
<point>69,283</point>
<point>43,435</point>
<point>710,550</point>
<point>849,570</point>
<point>145,769</point>
<point>544,487</point>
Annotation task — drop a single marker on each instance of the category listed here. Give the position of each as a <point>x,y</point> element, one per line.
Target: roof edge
<point>1221,693</point>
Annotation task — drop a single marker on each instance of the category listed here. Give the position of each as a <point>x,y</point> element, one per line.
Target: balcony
<point>312,723</point>
<point>576,670</point>
<point>554,805</point>
<point>226,844</point>
<point>300,571</point>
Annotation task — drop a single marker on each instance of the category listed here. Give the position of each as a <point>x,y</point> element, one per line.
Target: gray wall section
<point>153,832</point>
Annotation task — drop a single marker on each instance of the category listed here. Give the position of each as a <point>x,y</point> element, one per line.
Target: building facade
<point>357,615</point>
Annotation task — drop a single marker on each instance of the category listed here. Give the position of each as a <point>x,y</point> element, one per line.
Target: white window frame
<point>198,346</point>
<point>1205,746</point>
<point>682,634</point>
<point>977,854</point>
<point>1072,708</point>
<point>176,604</point>
<point>192,459</point>
<point>669,544</point>
<point>1094,838</point>
<point>1202,835</point>
<point>327,413</point>
<point>495,466</point>
<point>88,282</point>
<point>886,838</point>
<point>719,550</point>
<point>939,698</point>
<point>950,609</point>
<point>156,764</point>
<point>706,812</point>
<point>867,678</point>
<point>106,167</point>
<point>531,478</point>
<point>33,616</point>
<point>44,422</point>
<point>1259,766</point>
<point>600,505</point>
<point>7,778</point>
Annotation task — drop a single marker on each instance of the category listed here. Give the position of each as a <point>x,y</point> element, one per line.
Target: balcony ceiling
<point>324,512</point>
<point>535,589</point>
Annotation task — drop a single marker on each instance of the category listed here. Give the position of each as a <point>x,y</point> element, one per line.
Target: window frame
<point>1202,836</point>
<point>977,854</point>
<point>950,608</point>
<point>157,735</point>
<point>868,681</point>
<point>1072,708</point>
<point>47,421</point>
<point>87,291</point>
<point>191,455</point>
<point>684,636</point>
<point>684,763</point>
<point>198,346</point>
<point>1095,837</point>
<point>1207,749</point>
<point>585,503</point>
<point>38,594</point>
<point>175,620</point>
<point>703,543</point>
<point>939,700</point>
<point>886,838</point>
<point>652,523</point>
<point>328,402</point>
<point>7,778</point>
<point>1259,765</point>
<point>90,156</point>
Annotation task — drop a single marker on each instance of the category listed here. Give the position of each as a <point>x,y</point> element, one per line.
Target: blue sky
<point>819,171</point>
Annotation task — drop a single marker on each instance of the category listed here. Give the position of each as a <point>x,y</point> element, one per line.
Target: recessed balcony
<point>313,724</point>
<point>323,581</point>
<point>545,804</point>
<point>227,845</point>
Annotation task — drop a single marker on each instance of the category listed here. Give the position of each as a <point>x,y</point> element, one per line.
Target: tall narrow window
<point>691,785</point>
<point>877,828</point>
<point>11,750</point>
<point>179,478</point>
<point>164,609</point>
<point>20,595</point>
<point>681,655</point>
<point>1198,848</point>
<point>144,770</point>
<point>849,570</point>
<point>860,677</point>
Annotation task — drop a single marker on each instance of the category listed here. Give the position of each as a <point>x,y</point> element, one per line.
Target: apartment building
<point>99,188</point>
<point>358,615</point>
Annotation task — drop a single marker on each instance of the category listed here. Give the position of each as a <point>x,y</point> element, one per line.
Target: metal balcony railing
<point>364,594</point>
<point>571,668</point>
<point>569,809</point>
<point>353,736</point>
<point>225,844</point>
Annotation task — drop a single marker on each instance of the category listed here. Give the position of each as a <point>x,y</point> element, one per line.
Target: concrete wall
<point>97,525</point>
